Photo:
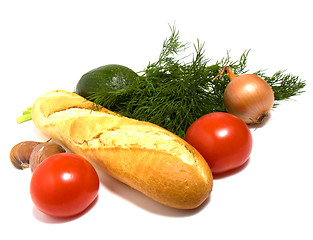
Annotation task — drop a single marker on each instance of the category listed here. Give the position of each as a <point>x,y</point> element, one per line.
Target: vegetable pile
<point>209,105</point>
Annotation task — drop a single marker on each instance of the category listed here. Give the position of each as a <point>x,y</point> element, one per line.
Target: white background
<point>48,45</point>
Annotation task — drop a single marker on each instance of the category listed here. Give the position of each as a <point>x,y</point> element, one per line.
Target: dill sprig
<point>173,92</point>
<point>284,85</point>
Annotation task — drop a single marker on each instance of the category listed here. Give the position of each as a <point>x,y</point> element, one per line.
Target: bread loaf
<point>142,155</point>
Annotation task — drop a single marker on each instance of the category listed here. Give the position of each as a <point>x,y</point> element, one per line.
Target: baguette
<point>140,154</point>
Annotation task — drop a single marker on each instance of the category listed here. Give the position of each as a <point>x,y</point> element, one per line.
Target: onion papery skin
<point>249,97</point>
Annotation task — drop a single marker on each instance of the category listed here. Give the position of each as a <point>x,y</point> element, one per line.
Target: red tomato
<point>64,185</point>
<point>224,140</point>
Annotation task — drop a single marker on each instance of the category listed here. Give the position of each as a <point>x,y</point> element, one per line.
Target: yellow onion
<point>248,97</point>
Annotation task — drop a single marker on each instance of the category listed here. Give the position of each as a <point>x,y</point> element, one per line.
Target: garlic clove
<point>20,154</point>
<point>43,151</point>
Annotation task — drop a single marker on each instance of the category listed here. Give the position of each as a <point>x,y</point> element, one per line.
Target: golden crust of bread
<point>142,155</point>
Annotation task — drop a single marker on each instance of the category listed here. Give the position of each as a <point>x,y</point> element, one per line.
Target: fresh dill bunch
<point>174,92</point>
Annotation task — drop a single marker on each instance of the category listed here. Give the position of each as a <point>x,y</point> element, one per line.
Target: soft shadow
<point>42,217</point>
<point>40,134</point>
<point>142,201</point>
<point>231,172</point>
